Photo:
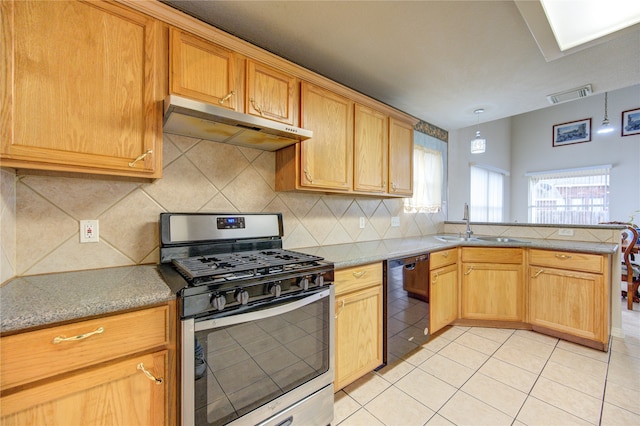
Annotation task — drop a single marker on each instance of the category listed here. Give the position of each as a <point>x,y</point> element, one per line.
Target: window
<point>574,196</point>
<point>429,163</point>
<point>487,189</point>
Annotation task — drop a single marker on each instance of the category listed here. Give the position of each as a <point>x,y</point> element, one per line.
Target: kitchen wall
<point>522,143</point>
<point>7,224</point>
<point>40,212</point>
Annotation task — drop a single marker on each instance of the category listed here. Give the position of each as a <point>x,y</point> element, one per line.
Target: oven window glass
<point>252,363</point>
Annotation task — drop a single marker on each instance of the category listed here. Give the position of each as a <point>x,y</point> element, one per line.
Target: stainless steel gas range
<point>257,330</point>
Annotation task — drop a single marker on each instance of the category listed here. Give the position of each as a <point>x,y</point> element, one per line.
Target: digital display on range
<point>230,223</point>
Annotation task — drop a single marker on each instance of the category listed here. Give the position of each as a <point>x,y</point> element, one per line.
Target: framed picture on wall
<point>572,132</point>
<point>630,122</point>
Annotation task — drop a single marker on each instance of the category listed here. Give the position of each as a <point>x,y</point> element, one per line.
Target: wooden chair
<point>630,271</point>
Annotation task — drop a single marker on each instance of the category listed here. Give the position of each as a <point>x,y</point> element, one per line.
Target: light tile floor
<point>484,376</point>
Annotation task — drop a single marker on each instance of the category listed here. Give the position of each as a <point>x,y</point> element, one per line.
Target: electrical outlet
<point>89,231</point>
<point>362,222</point>
<point>565,232</point>
<point>395,221</point>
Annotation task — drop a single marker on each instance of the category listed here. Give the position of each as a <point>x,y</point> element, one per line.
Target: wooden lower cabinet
<point>119,369</point>
<point>358,323</point>
<point>568,295</point>
<point>118,393</point>
<point>567,301</point>
<point>443,285</point>
<point>493,284</point>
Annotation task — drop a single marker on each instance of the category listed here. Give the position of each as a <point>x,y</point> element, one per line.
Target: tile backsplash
<point>40,214</point>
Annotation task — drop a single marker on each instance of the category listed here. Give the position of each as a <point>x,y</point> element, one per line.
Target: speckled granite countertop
<point>38,300</point>
<point>34,301</point>
<point>353,254</point>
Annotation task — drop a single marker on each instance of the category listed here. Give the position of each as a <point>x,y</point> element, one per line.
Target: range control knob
<point>319,280</point>
<point>241,296</point>
<point>275,289</point>
<point>304,283</point>
<point>218,301</point>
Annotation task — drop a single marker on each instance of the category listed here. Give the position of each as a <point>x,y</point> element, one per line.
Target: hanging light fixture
<point>478,144</point>
<point>606,127</point>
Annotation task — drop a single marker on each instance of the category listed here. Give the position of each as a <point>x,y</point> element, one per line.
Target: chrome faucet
<point>468,232</point>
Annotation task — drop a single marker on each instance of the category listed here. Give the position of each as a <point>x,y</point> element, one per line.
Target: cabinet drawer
<point>35,355</point>
<point>442,258</point>
<point>492,255</point>
<point>567,260</point>
<point>358,277</point>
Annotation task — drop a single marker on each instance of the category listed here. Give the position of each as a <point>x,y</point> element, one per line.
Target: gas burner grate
<point>240,265</point>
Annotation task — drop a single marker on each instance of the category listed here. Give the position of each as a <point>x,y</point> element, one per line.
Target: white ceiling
<point>436,60</point>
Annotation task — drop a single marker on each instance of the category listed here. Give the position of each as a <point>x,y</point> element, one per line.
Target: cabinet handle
<point>226,98</point>
<point>394,186</point>
<point>149,375</point>
<point>359,274</point>
<point>340,309</point>
<point>435,277</point>
<point>256,107</point>
<point>563,256</point>
<point>308,176</point>
<point>445,254</point>
<point>538,273</point>
<point>469,270</point>
<point>60,339</point>
<point>140,157</point>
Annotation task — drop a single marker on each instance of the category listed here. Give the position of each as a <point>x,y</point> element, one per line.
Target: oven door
<point>261,362</point>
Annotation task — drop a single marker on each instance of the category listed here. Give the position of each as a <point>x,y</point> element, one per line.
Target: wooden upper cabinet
<point>205,71</point>
<point>81,89</point>
<point>272,94</point>
<point>326,158</point>
<point>400,158</point>
<point>371,147</point>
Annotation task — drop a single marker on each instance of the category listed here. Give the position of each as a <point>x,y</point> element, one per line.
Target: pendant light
<point>605,127</point>
<point>478,144</point>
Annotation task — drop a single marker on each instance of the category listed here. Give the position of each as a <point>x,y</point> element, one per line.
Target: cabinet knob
<point>256,106</point>
<point>60,339</point>
<point>340,309</point>
<point>308,176</point>
<point>226,98</point>
<point>140,157</point>
<point>538,273</point>
<point>150,376</point>
<point>562,256</point>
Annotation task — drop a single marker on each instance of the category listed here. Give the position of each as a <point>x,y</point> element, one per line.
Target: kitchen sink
<point>500,239</point>
<point>452,238</point>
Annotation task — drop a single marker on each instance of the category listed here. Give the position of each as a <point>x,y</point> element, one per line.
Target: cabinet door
<point>118,393</point>
<point>82,88</point>
<point>272,94</point>
<point>326,158</point>
<point>358,335</point>
<point>492,291</point>
<point>567,301</point>
<point>204,71</point>
<point>443,309</point>
<point>400,158</point>
<point>371,146</point>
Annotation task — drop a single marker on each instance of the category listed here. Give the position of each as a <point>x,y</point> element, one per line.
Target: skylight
<point>575,22</point>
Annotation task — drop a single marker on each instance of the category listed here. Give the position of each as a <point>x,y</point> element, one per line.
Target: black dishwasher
<point>406,322</point>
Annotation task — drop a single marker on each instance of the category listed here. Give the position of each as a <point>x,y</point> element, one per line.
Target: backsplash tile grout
<point>199,176</point>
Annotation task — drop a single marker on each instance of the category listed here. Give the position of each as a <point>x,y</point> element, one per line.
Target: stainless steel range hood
<point>200,120</point>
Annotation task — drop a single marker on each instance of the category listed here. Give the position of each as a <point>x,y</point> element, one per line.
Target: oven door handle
<point>252,315</point>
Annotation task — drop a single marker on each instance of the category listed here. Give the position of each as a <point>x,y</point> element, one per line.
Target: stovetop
<point>218,268</point>
<point>221,263</point>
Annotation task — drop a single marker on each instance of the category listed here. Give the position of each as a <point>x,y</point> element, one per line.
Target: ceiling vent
<point>569,95</point>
